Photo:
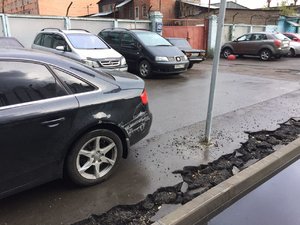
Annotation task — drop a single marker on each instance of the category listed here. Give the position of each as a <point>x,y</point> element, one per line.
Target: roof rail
<point>81,30</point>
<point>117,28</point>
<point>51,28</point>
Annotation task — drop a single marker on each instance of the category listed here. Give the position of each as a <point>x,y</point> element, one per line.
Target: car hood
<point>168,51</point>
<point>98,53</point>
<point>126,80</point>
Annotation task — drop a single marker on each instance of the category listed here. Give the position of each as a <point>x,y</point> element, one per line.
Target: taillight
<point>277,43</point>
<point>144,97</point>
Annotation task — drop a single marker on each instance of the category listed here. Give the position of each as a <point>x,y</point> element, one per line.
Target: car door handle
<point>53,123</point>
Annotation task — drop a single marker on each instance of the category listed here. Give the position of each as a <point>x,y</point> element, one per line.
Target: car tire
<point>291,53</point>
<point>94,157</point>
<point>190,65</point>
<point>145,69</point>
<point>265,54</point>
<point>226,52</point>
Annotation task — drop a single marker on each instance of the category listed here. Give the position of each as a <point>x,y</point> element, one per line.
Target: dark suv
<point>59,117</point>
<point>146,51</point>
<point>265,45</point>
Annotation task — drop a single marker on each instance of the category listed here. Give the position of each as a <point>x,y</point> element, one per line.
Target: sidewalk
<point>156,158</point>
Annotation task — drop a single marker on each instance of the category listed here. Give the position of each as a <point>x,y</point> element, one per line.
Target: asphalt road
<point>245,87</point>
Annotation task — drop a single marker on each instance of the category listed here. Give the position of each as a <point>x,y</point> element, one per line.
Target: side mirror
<point>235,40</point>
<point>61,48</point>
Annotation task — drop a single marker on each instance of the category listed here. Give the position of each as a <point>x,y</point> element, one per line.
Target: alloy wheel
<point>96,157</point>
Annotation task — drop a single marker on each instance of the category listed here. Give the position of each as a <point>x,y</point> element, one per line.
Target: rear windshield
<point>10,42</point>
<point>181,43</point>
<point>152,39</point>
<point>280,36</point>
<point>86,41</point>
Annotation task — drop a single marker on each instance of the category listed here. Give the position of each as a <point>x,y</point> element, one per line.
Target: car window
<point>76,85</point>
<point>152,39</point>
<point>22,82</point>
<point>245,37</point>
<point>258,37</point>
<point>289,36</point>
<point>47,40</point>
<point>59,41</point>
<point>114,38</point>
<point>127,40</point>
<point>86,41</point>
<point>38,39</point>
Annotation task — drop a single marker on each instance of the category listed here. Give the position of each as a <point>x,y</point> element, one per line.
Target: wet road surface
<point>254,96</point>
<point>275,202</point>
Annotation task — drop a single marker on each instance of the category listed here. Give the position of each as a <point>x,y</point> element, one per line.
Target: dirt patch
<point>198,179</point>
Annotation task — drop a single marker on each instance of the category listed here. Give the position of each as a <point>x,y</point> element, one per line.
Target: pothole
<point>199,179</point>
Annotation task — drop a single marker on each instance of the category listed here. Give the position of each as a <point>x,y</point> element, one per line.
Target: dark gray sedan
<point>265,45</point>
<point>60,119</point>
<point>193,55</point>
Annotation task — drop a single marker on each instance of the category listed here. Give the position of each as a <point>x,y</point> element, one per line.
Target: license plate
<point>179,66</point>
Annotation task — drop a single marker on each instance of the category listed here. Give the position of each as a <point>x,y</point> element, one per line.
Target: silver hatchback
<point>80,45</point>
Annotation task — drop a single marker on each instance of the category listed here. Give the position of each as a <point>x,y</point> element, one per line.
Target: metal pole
<point>215,70</point>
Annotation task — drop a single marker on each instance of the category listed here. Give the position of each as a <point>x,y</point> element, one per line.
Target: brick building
<point>235,14</point>
<point>43,7</point>
<point>135,9</point>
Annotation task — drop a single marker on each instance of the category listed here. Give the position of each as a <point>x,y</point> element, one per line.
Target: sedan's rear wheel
<point>94,157</point>
<point>226,52</point>
<point>291,53</point>
<point>144,69</point>
<point>265,54</point>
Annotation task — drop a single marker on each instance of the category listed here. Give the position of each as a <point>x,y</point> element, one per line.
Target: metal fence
<point>25,28</point>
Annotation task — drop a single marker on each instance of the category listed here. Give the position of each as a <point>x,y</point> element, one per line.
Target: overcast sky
<point>251,3</point>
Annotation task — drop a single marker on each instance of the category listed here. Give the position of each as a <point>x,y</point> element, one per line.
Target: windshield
<point>181,43</point>
<point>86,41</point>
<point>9,42</point>
<point>152,39</point>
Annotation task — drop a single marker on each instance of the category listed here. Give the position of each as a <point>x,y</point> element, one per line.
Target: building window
<point>136,13</point>
<point>144,11</point>
<point>131,13</point>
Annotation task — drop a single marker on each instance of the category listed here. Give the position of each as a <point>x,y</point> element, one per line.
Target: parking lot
<point>251,95</point>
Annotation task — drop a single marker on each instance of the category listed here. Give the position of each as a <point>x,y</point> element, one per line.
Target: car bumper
<point>139,127</point>
<point>169,68</point>
<point>196,60</point>
<point>284,51</point>
<point>120,68</point>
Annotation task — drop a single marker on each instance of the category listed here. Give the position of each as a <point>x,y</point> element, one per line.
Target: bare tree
<point>295,2</point>
<point>269,2</point>
<point>2,6</point>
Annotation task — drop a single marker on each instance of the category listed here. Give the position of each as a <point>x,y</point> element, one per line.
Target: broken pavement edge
<point>203,208</point>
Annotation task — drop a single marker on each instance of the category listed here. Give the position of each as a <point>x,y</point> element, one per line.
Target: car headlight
<point>123,61</point>
<point>91,63</point>
<point>161,59</point>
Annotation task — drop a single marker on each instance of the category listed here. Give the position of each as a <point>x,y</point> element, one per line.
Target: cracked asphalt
<point>251,96</point>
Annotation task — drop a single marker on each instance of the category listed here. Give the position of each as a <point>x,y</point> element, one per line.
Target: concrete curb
<point>203,208</point>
